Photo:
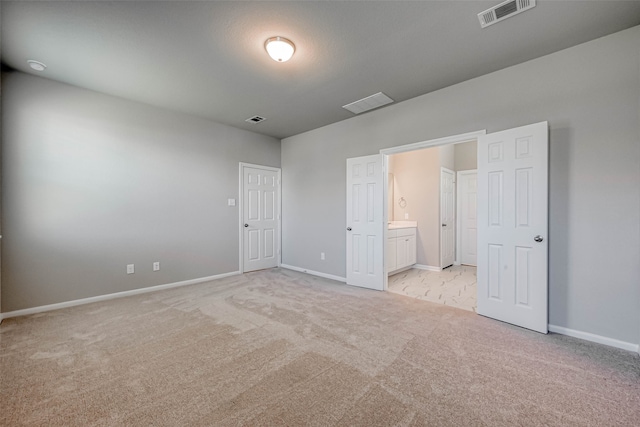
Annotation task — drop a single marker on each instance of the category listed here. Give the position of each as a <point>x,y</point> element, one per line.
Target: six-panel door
<point>512,226</point>
<point>260,214</point>
<point>364,230</point>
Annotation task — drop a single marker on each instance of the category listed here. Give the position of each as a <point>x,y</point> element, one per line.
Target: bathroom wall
<point>447,157</point>
<point>417,179</point>
<point>466,156</point>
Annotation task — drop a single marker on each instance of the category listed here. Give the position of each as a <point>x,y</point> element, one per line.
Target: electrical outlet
<point>406,216</point>
<point>130,269</point>
<point>156,266</point>
<point>322,256</point>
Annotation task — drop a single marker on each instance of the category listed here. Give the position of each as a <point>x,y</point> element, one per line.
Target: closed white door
<point>467,199</point>
<point>364,230</point>
<point>260,217</point>
<point>512,226</point>
<point>447,218</point>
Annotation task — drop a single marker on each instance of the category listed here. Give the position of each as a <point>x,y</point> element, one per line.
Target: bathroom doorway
<point>423,191</point>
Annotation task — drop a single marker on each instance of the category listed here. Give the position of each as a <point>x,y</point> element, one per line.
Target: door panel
<point>447,218</point>
<point>467,185</point>
<point>261,234</point>
<point>364,222</point>
<point>513,226</point>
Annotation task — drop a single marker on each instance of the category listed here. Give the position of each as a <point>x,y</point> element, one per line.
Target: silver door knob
<point>348,228</point>
<point>246,225</point>
<point>538,238</point>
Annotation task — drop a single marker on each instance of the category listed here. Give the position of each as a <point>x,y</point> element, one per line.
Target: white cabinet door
<point>447,218</point>
<point>512,226</point>
<point>392,245</point>
<point>260,210</point>
<point>411,250</point>
<point>401,252</point>
<point>365,234</point>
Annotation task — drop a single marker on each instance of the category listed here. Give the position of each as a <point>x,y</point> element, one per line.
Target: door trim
<point>459,213</point>
<point>241,167</point>
<point>386,152</point>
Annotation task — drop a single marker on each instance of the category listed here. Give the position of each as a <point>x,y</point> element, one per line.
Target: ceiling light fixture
<point>279,48</point>
<point>38,66</point>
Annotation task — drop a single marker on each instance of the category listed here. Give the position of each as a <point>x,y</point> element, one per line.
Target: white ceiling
<point>208,58</point>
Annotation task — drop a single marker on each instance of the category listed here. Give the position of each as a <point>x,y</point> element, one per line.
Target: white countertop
<point>393,225</point>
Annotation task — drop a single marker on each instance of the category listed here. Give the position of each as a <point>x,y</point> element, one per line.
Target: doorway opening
<point>512,223</point>
<point>431,198</point>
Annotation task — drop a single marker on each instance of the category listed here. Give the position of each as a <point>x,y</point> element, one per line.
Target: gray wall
<point>590,94</point>
<point>92,183</point>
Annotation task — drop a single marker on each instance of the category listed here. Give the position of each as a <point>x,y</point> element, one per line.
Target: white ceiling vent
<point>503,11</point>
<point>369,103</point>
<point>255,119</point>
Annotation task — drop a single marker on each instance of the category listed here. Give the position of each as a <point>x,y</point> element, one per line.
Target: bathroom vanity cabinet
<point>401,248</point>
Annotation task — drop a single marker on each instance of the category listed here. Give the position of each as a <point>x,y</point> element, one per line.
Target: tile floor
<point>454,286</point>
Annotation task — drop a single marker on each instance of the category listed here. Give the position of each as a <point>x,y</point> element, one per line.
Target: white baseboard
<point>400,270</point>
<point>594,338</point>
<point>57,306</point>
<point>426,267</point>
<point>314,273</point>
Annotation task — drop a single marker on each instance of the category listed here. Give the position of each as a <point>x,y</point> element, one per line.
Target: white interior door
<point>260,217</point>
<point>467,199</point>
<point>365,234</point>
<point>447,218</point>
<point>512,226</point>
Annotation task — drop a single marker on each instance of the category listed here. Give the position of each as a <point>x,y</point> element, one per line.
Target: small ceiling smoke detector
<point>255,119</point>
<point>504,10</point>
<point>369,103</point>
<point>279,48</point>
<point>35,65</point>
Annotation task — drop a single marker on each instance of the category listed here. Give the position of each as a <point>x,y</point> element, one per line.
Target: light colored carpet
<point>278,347</point>
<point>454,286</point>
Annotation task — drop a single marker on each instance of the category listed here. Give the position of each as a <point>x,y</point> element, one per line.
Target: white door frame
<point>386,152</point>
<point>459,213</point>
<point>241,167</point>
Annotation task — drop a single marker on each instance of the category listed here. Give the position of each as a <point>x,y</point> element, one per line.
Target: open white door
<point>365,233</point>
<point>447,218</point>
<point>512,226</point>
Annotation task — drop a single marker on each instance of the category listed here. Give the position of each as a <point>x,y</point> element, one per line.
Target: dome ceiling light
<point>279,48</point>
<point>36,65</point>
